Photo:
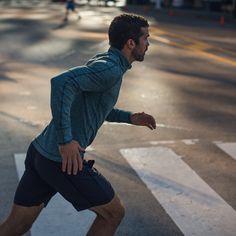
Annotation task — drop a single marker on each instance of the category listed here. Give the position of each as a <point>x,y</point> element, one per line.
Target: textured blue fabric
<point>82,98</point>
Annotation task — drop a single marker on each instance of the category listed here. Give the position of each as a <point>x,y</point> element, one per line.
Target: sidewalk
<point>186,17</point>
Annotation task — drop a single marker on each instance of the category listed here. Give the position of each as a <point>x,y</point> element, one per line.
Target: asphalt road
<point>187,82</point>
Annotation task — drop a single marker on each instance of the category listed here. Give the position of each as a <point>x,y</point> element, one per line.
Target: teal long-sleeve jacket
<point>82,98</point>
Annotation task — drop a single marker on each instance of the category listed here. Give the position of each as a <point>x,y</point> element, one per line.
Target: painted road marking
<point>59,218</point>
<point>229,148</point>
<point>157,125</point>
<point>195,208</point>
<point>185,141</point>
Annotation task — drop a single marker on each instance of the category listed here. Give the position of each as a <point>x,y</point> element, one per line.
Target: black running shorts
<point>43,178</point>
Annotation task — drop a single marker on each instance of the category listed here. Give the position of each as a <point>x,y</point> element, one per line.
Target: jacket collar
<point>123,60</point>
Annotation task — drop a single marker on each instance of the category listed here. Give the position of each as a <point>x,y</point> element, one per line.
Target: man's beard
<point>138,56</point>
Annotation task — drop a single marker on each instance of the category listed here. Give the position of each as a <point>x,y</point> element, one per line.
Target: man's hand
<point>71,160</point>
<point>143,119</point>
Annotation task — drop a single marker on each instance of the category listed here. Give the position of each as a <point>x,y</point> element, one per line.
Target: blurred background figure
<point>70,6</point>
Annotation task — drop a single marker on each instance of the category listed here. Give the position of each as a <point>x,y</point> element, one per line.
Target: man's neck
<point>127,55</point>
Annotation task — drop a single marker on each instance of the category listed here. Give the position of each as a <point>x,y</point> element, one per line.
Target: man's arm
<point>140,119</point>
<point>64,89</point>
<point>120,116</point>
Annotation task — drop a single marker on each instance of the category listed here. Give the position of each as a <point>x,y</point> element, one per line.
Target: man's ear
<point>130,43</point>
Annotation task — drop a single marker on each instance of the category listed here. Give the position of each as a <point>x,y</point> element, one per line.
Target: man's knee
<point>115,214</point>
<point>10,227</point>
<point>112,212</point>
<point>23,227</point>
<point>20,220</point>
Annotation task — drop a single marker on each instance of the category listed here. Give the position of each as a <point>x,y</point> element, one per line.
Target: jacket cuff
<point>64,136</point>
<point>126,117</point>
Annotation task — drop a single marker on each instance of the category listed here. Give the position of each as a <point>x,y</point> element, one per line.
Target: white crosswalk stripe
<point>229,148</point>
<point>190,202</point>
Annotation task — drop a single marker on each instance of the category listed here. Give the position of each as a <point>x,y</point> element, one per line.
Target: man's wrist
<point>130,118</point>
<point>66,142</point>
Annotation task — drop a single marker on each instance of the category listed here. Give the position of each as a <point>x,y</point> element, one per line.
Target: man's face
<point>139,50</point>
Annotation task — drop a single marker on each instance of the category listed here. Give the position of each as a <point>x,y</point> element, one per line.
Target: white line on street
<point>190,141</point>
<point>59,218</point>
<point>162,142</point>
<point>195,208</point>
<point>229,148</point>
<point>185,141</point>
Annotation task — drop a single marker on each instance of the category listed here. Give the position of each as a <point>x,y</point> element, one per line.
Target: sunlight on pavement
<point>203,49</point>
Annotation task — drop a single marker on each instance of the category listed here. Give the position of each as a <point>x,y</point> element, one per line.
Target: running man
<point>82,98</point>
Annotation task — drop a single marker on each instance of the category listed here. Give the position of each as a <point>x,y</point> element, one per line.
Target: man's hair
<point>124,27</point>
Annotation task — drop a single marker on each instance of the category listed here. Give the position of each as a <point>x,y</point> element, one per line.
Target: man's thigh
<point>86,189</point>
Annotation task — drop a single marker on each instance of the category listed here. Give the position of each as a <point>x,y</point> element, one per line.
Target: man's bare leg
<point>108,218</point>
<point>20,220</point>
